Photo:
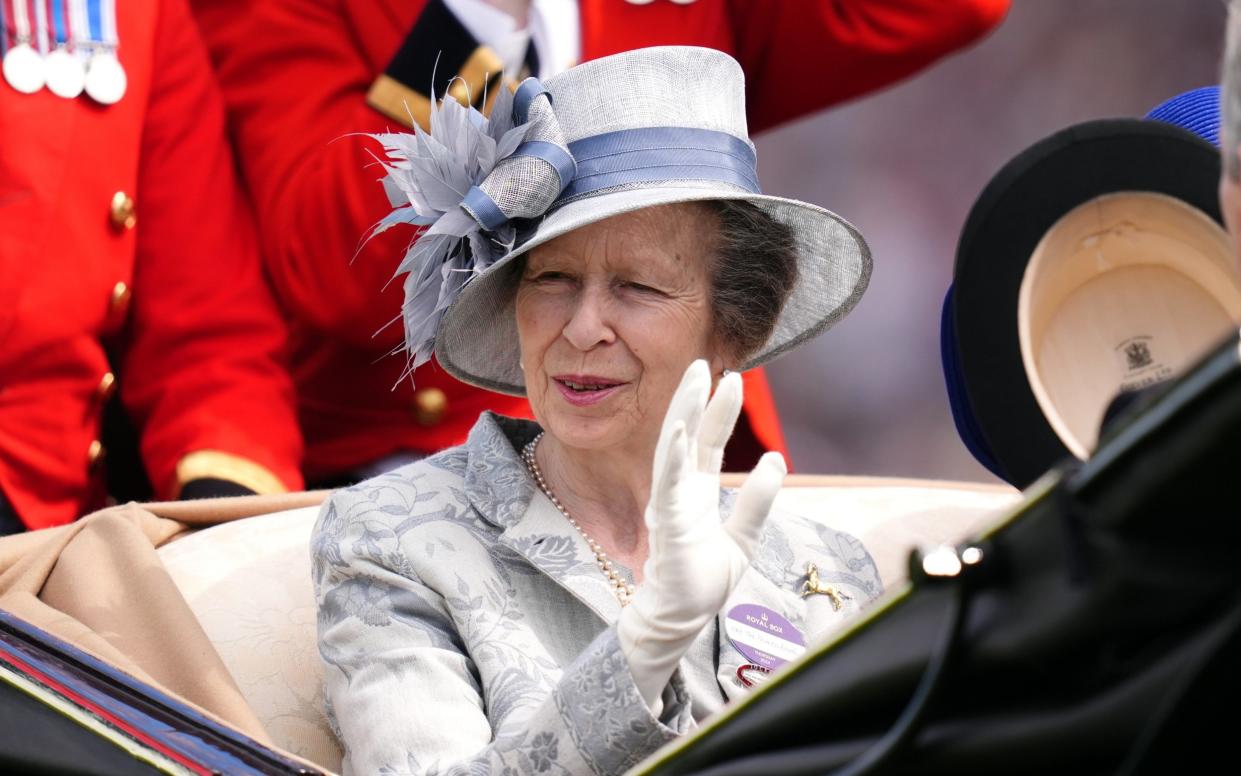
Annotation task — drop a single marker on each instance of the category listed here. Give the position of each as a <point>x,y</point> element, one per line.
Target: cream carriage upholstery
<point>248,583</point>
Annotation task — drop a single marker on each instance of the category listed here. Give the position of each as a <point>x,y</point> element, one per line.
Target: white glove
<point>694,560</point>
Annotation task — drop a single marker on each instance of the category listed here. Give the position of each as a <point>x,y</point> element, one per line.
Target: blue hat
<point>993,405</point>
<point>958,398</point>
<point>1196,110</point>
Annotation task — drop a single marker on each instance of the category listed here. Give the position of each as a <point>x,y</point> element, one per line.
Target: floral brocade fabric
<point>465,628</point>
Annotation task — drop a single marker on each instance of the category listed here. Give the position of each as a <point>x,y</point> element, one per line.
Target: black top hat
<point>1094,262</point>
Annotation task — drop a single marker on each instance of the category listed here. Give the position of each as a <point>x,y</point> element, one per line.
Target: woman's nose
<point>588,326</point>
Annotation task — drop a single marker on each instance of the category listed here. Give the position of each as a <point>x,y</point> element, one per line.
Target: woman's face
<point>609,317</point>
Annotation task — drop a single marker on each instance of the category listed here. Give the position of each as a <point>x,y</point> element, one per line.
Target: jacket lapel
<point>546,540</point>
<point>501,491</point>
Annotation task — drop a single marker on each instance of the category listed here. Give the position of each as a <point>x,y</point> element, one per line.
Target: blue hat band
<point>625,157</point>
<point>656,154</point>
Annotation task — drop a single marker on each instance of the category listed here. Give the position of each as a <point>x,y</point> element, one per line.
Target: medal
<point>23,68</point>
<point>105,78</point>
<point>64,72</point>
<point>22,65</point>
<point>65,76</point>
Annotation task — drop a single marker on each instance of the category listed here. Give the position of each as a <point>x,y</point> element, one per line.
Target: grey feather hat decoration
<point>647,127</point>
<point>467,182</point>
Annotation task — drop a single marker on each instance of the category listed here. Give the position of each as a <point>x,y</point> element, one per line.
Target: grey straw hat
<point>648,127</point>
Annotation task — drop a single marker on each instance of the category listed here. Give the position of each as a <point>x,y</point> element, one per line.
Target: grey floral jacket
<point>466,629</point>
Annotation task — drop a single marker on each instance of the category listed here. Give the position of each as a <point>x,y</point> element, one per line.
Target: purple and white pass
<point>764,637</point>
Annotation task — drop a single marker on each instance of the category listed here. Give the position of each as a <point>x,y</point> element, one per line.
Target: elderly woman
<point>567,596</point>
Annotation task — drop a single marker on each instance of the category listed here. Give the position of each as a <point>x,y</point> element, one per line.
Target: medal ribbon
<point>41,39</point>
<point>58,22</point>
<point>106,10</point>
<point>95,17</point>
<point>79,26</point>
<point>21,22</point>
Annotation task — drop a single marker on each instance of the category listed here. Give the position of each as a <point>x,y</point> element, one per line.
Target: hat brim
<point>1011,216</point>
<point>477,339</point>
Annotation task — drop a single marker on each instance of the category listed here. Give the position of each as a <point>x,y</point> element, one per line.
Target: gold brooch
<point>812,586</point>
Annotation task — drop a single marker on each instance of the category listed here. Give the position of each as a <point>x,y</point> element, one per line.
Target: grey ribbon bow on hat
<point>466,181</point>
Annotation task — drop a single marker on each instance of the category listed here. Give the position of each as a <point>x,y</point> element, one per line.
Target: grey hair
<point>754,272</point>
<point>1230,93</point>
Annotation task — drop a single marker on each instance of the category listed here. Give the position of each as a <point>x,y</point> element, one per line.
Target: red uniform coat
<point>296,75</point>
<point>175,287</point>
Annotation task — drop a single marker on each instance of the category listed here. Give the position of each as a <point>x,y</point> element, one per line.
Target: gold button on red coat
<point>123,212</point>
<point>118,302</point>
<point>430,405</point>
<point>107,386</point>
<point>95,454</point>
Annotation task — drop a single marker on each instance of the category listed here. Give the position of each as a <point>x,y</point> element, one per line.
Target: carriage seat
<point>248,582</point>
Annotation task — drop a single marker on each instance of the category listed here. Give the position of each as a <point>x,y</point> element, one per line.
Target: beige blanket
<point>99,585</point>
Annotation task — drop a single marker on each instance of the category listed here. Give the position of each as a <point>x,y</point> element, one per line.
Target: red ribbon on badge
<point>747,668</point>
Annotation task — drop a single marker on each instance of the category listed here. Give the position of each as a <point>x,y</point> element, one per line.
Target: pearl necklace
<point>622,589</point>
